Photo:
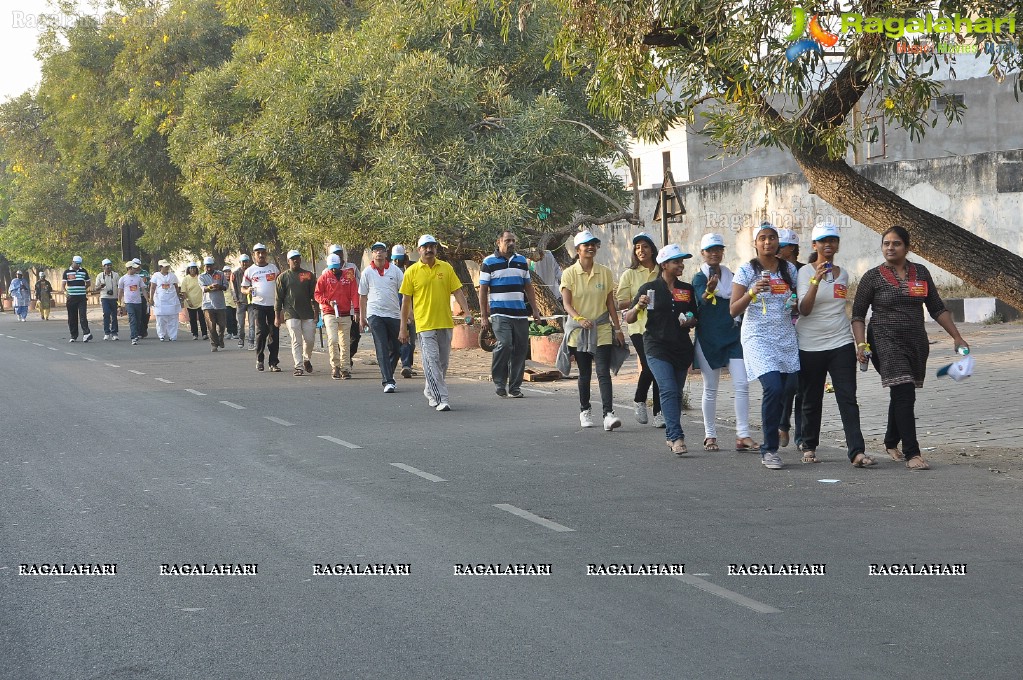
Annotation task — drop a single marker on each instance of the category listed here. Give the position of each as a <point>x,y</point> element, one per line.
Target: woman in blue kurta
<point>718,344</point>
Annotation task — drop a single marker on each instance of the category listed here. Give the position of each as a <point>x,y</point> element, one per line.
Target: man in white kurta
<point>165,292</point>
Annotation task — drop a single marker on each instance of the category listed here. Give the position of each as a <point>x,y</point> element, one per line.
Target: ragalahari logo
<point>819,38</point>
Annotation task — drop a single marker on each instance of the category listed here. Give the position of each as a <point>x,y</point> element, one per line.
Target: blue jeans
<point>385,340</point>
<point>408,350</point>
<point>792,394</point>
<point>771,405</point>
<point>136,314</point>
<point>109,315</point>
<point>670,381</point>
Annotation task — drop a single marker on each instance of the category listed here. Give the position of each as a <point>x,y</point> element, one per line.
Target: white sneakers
<point>106,337</point>
<point>586,418</point>
<point>389,388</point>
<point>611,421</point>
<point>641,413</point>
<point>658,421</point>
<point>87,337</point>
<point>443,406</point>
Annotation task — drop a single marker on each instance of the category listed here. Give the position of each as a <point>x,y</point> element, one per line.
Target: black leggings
<point>646,378</point>
<point>197,318</point>
<point>902,420</point>
<point>585,360</point>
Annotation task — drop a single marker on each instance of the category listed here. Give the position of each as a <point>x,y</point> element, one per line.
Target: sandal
<point>809,456</point>
<point>862,460</point>
<point>746,444</point>
<point>679,447</point>
<point>895,454</point>
<point>916,463</point>
<point>711,444</point>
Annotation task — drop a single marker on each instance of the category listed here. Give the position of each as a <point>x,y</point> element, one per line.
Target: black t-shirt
<point>664,337</point>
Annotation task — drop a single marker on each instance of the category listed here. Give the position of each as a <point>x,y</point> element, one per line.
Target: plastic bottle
<point>963,350</point>
<point>866,355</point>
<point>650,300</point>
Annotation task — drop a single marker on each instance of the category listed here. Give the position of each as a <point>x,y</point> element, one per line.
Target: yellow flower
<point>166,39</point>
<point>74,97</point>
<point>889,104</point>
<point>124,20</point>
<point>157,83</point>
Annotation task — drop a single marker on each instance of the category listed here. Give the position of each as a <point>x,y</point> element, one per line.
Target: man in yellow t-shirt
<point>427,289</point>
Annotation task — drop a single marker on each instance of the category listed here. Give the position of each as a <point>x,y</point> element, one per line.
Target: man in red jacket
<point>337,292</point>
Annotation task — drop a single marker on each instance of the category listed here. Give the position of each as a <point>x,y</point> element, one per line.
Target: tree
<point>731,53</point>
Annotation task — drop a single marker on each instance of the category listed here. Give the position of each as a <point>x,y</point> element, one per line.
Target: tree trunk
<point>987,266</point>
<point>472,294</point>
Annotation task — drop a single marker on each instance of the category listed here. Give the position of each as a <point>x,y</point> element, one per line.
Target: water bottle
<point>866,356</point>
<point>650,300</point>
<point>964,351</point>
<point>766,276</point>
<point>791,302</point>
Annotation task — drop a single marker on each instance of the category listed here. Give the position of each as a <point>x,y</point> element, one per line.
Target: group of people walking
<point>781,323</point>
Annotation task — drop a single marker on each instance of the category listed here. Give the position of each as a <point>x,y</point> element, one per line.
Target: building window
<point>665,162</point>
<point>942,100</point>
<point>874,137</point>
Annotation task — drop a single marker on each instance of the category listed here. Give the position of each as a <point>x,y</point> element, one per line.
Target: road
<point>166,454</point>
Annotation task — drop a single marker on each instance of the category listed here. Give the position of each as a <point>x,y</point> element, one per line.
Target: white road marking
<point>714,589</point>
<point>164,380</point>
<point>88,358</point>
<point>530,389</point>
<point>233,405</point>
<point>53,348</point>
<point>341,442</point>
<point>525,514</point>
<point>23,339</point>
<point>285,423</point>
<point>136,372</point>
<point>38,344</point>
<point>415,471</point>
<point>112,365</point>
<point>197,393</point>
<point>70,354</point>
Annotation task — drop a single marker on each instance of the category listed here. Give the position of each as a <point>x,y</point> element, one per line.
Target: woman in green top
<point>642,270</point>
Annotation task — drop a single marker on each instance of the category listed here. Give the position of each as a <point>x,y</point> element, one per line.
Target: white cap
<point>643,236</point>
<point>137,262</point>
<point>712,241</point>
<point>208,260</point>
<point>397,251</point>
<point>425,239</point>
<point>258,246</point>
<point>107,261</point>
<point>787,237</point>
<point>130,264</point>
<point>335,249</point>
<point>163,263</point>
<point>378,246</point>
<point>825,230</point>
<point>333,262</point>
<point>960,370</point>
<point>193,264</point>
<point>584,237</point>
<point>245,258</point>
<point>294,253</point>
<point>77,259</point>
<point>762,227</point>
<point>671,252</point>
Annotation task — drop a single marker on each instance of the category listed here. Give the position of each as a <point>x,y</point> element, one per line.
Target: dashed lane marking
<point>530,389</point>
<point>233,405</point>
<point>285,423</point>
<point>340,442</point>
<point>525,514</point>
<point>38,344</point>
<point>714,589</point>
<point>164,380</point>
<point>418,472</point>
<point>136,372</point>
<point>196,392</point>
<point>112,365</point>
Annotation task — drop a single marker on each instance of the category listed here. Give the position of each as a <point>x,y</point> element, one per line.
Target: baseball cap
<point>163,263</point>
<point>77,259</point>
<point>712,241</point>
<point>208,260</point>
<point>824,230</point>
<point>425,239</point>
<point>378,246</point>
<point>130,265</point>
<point>671,252</point>
<point>643,236</point>
<point>335,249</point>
<point>787,237</point>
<point>333,262</point>
<point>397,252</point>
<point>762,227</point>
<point>294,253</point>
<point>193,264</point>
<point>137,262</point>
<point>258,246</point>
<point>245,258</point>
<point>584,237</point>
<point>107,261</point>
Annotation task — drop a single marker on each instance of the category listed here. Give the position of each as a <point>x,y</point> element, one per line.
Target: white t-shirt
<point>131,284</point>
<point>827,326</point>
<point>263,281</point>
<point>165,296</point>
<point>381,290</point>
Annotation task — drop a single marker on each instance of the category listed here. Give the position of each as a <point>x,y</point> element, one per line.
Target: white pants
<point>167,326</point>
<point>434,354</point>
<point>339,338</point>
<point>711,378</point>
<point>302,332</point>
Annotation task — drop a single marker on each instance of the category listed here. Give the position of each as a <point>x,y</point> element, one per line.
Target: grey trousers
<point>434,353</point>
<point>508,360</point>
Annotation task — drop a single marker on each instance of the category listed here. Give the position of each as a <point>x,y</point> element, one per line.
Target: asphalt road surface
<point>166,454</point>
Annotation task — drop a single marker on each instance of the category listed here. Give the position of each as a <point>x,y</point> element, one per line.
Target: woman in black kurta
<point>897,291</point>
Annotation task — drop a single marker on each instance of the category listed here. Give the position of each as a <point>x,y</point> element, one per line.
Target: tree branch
<point>593,190</point>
